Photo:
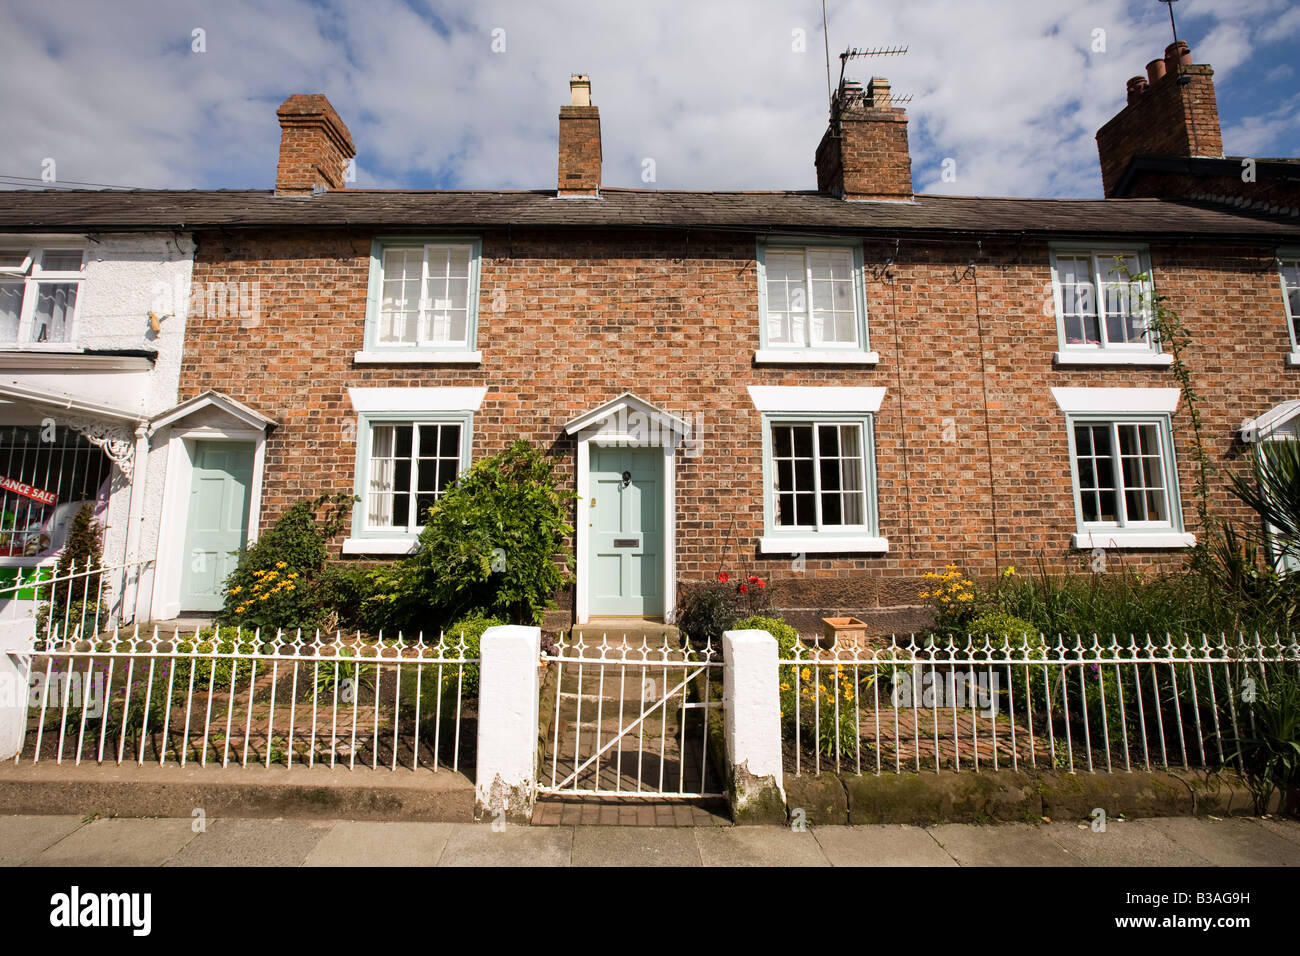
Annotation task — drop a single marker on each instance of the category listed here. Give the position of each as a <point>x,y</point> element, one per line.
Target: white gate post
<point>507,721</point>
<point>751,705</point>
<point>16,637</point>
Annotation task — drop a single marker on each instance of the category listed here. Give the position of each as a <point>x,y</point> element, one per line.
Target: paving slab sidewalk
<point>69,841</point>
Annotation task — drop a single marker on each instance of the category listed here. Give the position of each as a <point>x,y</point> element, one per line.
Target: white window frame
<point>807,353</point>
<point>1126,406</point>
<point>33,276</point>
<point>1286,257</point>
<point>425,350</point>
<point>403,406</point>
<point>820,405</point>
<point>1101,260</point>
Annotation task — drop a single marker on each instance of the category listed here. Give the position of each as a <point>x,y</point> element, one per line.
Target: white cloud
<point>714,93</point>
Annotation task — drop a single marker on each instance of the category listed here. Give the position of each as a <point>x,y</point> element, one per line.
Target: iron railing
<point>1081,703</point>
<point>234,696</point>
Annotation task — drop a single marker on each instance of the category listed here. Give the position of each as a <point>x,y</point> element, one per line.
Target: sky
<point>718,94</point>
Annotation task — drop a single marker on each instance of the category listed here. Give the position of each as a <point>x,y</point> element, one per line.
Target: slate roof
<point>108,210</point>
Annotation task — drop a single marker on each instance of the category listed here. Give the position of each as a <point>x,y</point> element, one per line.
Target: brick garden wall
<point>567,322</point>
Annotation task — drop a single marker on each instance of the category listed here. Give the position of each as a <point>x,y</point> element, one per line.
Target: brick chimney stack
<point>315,146</point>
<point>864,153</point>
<point>579,141</point>
<point>1172,112</point>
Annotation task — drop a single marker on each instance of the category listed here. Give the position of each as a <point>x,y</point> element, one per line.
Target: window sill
<point>1293,359</point>
<point>812,544</point>
<point>445,357</point>
<point>379,545</point>
<point>1161,359</point>
<point>815,357</point>
<point>1133,539</point>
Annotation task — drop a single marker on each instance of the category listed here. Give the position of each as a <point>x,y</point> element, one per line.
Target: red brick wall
<point>674,319</point>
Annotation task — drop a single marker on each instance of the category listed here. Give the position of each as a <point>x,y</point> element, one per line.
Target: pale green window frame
<point>362,471</point>
<point>1173,497</point>
<point>866,420</point>
<point>1101,254</point>
<point>375,293</point>
<point>1289,257</point>
<point>792,243</point>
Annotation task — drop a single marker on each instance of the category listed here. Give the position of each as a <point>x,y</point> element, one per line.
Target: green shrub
<point>1001,630</point>
<point>273,585</point>
<point>491,542</point>
<point>705,611</point>
<point>469,630</point>
<point>787,638</point>
<point>76,603</point>
<point>346,595</point>
<point>1269,744</point>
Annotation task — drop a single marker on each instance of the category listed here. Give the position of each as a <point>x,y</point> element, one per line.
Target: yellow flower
<point>785,686</point>
<point>292,576</point>
<point>240,609</point>
<point>924,594</point>
<point>807,673</point>
<point>264,597</point>
<point>290,587</point>
<point>1009,571</point>
<point>281,564</point>
<point>236,590</point>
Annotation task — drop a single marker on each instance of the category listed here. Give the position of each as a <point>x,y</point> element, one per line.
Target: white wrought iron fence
<point>84,599</point>
<point>630,718</point>
<point>223,697</point>
<point>1065,703</point>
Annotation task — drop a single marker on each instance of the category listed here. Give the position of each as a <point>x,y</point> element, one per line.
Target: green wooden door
<point>216,528</point>
<point>625,549</point>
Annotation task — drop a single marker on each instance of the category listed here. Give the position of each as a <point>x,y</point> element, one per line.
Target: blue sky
<point>728,94</point>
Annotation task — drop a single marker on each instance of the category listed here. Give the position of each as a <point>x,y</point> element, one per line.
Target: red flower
<point>744,589</point>
<point>723,577</point>
<point>752,578</point>
<point>759,582</point>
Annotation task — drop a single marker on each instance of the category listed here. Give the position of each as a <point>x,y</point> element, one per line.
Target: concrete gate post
<point>751,705</point>
<point>509,681</point>
<point>16,637</point>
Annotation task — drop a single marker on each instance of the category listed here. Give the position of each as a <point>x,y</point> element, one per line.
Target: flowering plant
<point>952,596</point>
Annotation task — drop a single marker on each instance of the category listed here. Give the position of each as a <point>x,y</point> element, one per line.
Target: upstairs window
<point>1289,270</point>
<point>423,296</point>
<point>1103,304</point>
<point>812,302</point>
<point>39,290</point>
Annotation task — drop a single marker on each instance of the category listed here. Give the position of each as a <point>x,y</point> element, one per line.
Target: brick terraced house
<point>838,389</point>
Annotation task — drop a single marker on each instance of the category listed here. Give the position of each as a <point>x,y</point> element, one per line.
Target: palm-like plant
<point>1272,489</point>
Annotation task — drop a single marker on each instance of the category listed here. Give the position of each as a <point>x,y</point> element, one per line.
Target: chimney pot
<point>1155,70</point>
<point>1177,54</point>
<point>878,93</point>
<point>579,89</point>
<point>1137,85</point>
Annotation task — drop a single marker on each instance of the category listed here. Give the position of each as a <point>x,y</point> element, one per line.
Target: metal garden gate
<point>631,720</point>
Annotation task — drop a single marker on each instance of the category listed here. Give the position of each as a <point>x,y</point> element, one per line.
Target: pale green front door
<point>625,543</point>
<point>216,527</point>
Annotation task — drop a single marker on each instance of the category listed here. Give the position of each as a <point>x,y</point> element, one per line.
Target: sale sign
<point>27,491</point>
